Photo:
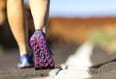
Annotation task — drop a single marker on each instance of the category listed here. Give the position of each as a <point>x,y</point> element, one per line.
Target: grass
<point>101,38</point>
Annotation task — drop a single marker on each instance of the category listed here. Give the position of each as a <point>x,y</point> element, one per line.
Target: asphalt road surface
<point>105,69</point>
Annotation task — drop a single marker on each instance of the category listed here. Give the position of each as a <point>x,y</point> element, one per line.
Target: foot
<point>26,61</point>
<point>42,53</point>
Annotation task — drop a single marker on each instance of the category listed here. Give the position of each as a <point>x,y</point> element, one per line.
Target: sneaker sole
<point>42,57</point>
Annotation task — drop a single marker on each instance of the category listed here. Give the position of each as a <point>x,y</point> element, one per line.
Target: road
<point>9,60</point>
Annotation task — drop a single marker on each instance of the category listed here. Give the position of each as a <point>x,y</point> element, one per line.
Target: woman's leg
<point>17,25</point>
<point>40,12</point>
<point>19,30</point>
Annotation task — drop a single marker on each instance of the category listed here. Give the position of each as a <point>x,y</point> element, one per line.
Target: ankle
<point>25,51</point>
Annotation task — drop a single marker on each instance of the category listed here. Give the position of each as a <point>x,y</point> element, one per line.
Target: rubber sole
<point>42,54</point>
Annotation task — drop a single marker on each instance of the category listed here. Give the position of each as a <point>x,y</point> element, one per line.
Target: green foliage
<point>99,37</point>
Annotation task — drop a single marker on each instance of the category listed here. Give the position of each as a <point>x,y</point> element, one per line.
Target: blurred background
<point>70,21</point>
<point>71,24</point>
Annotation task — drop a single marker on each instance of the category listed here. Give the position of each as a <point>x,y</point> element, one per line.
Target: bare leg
<point>16,21</point>
<point>40,12</point>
